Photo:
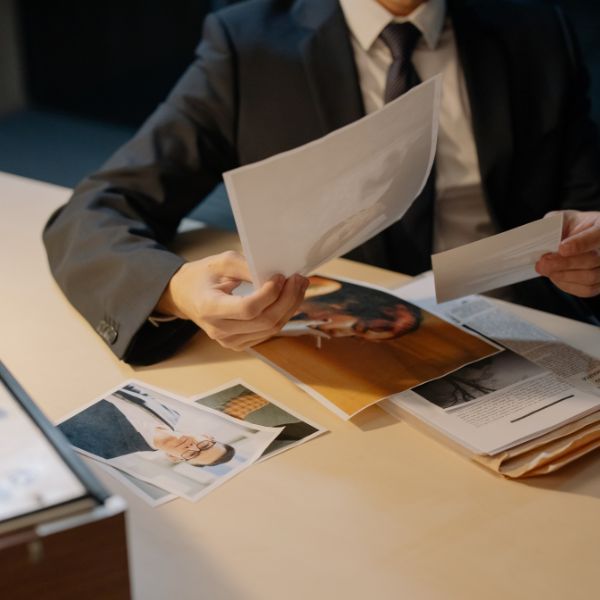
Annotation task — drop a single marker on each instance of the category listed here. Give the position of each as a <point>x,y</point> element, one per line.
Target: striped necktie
<point>401,39</point>
<point>411,237</point>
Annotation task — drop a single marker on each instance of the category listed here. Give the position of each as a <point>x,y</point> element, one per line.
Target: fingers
<point>589,277</point>
<point>222,305</point>
<point>580,232</point>
<point>577,275</point>
<point>585,239</point>
<point>229,264</point>
<point>581,290</point>
<point>240,334</point>
<point>279,312</point>
<point>201,291</point>
<point>551,263</point>
<point>573,221</point>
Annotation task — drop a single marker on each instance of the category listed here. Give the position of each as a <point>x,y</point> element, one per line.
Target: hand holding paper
<point>301,208</point>
<point>201,291</point>
<point>575,268</point>
<point>497,261</point>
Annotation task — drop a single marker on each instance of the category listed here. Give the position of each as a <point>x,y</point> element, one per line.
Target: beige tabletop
<point>374,509</point>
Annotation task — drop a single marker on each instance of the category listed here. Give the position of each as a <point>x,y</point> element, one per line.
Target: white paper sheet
<point>565,388</point>
<point>498,403</point>
<point>496,261</point>
<point>301,208</point>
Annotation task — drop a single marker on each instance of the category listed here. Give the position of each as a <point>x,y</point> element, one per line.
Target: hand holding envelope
<point>496,261</point>
<point>573,264</point>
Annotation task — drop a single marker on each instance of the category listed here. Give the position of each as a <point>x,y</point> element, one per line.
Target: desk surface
<point>372,509</point>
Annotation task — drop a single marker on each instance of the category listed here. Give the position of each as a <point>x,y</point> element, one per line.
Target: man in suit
<point>129,421</point>
<point>516,142</point>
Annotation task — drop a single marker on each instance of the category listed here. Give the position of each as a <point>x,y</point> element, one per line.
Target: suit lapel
<point>330,69</point>
<point>329,65</point>
<point>486,73</point>
<point>331,73</point>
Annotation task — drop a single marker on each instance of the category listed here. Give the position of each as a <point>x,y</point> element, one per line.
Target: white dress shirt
<point>460,212</point>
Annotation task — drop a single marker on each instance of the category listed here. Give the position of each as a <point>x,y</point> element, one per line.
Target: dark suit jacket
<point>273,74</point>
<point>103,430</point>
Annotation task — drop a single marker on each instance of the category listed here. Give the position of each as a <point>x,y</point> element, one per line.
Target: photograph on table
<point>152,494</point>
<point>352,345</point>
<point>239,400</point>
<point>478,379</point>
<point>183,448</point>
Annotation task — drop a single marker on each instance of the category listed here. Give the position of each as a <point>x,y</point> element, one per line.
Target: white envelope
<point>495,261</point>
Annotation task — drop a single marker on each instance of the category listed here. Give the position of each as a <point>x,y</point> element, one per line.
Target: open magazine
<point>489,384</point>
<point>351,345</point>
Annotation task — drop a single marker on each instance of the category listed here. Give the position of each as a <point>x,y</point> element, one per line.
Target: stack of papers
<point>528,410</point>
<point>504,392</point>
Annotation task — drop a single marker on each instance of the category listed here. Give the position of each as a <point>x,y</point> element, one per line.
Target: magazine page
<point>351,345</point>
<point>540,347</point>
<point>497,403</point>
<point>241,401</point>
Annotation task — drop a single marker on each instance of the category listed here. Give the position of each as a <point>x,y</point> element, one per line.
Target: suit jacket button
<point>111,335</point>
<point>107,332</point>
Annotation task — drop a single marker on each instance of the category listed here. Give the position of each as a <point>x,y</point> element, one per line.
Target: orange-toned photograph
<point>355,345</point>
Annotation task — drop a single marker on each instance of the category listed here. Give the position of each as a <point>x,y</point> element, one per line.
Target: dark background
<point>112,60</point>
<point>95,70</point>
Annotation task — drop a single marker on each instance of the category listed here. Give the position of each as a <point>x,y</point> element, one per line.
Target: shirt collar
<point>367,19</point>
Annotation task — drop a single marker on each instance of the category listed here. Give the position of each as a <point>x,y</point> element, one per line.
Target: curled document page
<point>496,261</point>
<point>299,209</point>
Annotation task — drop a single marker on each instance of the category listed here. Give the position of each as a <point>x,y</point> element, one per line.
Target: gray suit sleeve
<point>107,246</point>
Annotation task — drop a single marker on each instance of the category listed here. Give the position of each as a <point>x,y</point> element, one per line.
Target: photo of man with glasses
<point>131,420</point>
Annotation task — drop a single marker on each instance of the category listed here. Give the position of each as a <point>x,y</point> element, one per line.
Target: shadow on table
<point>581,477</point>
<point>373,418</point>
<point>200,350</point>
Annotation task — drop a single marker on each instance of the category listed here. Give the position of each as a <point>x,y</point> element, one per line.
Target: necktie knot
<point>401,39</point>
